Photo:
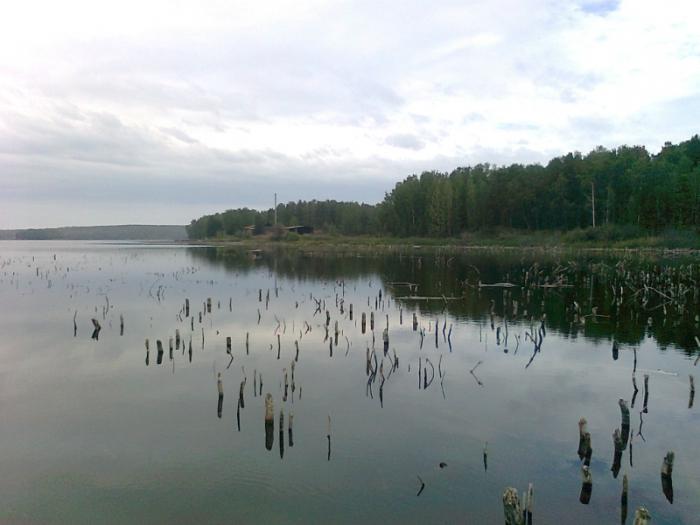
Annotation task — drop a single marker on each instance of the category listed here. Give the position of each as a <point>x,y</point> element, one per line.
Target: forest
<point>626,186</point>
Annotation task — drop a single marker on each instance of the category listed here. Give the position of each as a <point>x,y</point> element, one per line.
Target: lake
<point>486,392</point>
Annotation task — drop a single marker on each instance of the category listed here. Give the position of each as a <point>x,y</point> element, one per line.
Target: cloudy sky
<point>159,111</point>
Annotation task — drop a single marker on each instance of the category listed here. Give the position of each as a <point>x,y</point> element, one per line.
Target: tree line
<point>622,186</point>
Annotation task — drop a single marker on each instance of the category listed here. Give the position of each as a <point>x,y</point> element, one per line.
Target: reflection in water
<point>617,459</point>
<point>586,485</point>
<point>97,327</point>
<point>666,476</point>
<point>281,427</point>
<point>574,305</point>
<point>220,388</point>
<point>269,420</point>
<point>692,391</point>
<point>625,424</point>
<point>623,500</point>
<point>646,394</point>
<point>584,443</point>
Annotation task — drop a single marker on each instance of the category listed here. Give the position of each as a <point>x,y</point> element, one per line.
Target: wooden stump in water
<point>511,507</point>
<point>371,321</point>
<point>363,323</point>
<point>187,307</point>
<point>159,346</point>
<point>642,516</point>
<point>415,322</point>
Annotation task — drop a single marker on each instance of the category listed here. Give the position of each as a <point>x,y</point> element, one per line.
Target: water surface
<point>96,430</point>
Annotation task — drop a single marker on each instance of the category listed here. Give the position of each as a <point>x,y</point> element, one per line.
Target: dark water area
<point>98,428</point>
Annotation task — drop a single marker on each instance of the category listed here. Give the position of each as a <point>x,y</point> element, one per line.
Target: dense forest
<point>623,186</point>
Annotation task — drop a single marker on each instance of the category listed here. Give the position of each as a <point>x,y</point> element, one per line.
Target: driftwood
<point>497,285</point>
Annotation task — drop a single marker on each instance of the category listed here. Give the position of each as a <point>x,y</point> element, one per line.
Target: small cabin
<point>301,230</point>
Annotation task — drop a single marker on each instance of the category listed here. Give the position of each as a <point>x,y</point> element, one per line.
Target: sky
<point>159,111</point>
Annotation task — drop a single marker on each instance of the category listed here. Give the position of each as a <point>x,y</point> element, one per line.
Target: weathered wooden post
<point>121,324</point>
<point>291,433</point>
<point>159,346</point>
<point>296,346</point>
<point>363,323</point>
<point>228,345</point>
<point>415,322</point>
<point>642,516</point>
<point>666,479</point>
<point>511,507</point>
<point>350,315</point>
<point>208,305</point>
<point>170,348</point>
<point>147,352</point>
<point>269,419</point>
<point>371,321</point>
<point>247,343</point>
<point>177,339</point>
<point>187,307</point>
<point>385,339</point>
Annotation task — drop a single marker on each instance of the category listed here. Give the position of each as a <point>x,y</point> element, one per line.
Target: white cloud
<point>344,97</point>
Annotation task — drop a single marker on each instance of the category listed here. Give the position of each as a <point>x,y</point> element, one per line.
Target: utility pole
<point>276,211</point>
<point>593,201</point>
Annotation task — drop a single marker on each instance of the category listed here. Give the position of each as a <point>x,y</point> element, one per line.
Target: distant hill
<point>125,232</point>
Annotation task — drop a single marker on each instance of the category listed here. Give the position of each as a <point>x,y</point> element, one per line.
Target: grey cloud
<point>406,141</point>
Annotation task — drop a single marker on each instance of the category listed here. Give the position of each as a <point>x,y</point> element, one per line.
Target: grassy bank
<point>604,237</point>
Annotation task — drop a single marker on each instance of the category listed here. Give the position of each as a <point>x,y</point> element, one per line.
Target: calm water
<point>97,431</point>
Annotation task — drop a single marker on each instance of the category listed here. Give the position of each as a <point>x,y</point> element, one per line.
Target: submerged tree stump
<point>642,516</point>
